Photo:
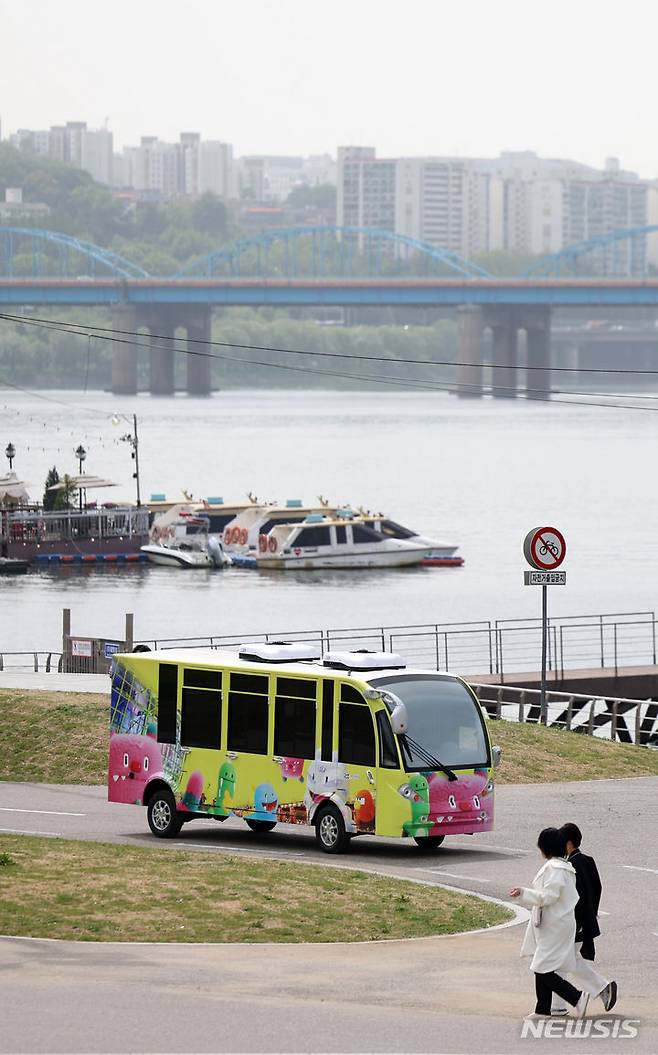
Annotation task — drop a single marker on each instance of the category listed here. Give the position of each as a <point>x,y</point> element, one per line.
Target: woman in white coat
<point>551,931</point>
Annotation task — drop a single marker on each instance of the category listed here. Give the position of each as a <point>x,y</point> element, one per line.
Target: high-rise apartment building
<point>216,168</point>
<point>72,143</point>
<point>441,201</point>
<point>154,166</point>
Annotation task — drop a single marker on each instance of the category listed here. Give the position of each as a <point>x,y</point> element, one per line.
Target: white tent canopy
<point>85,481</point>
<point>12,489</point>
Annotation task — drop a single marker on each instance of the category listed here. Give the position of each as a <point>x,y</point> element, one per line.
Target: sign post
<point>544,549</point>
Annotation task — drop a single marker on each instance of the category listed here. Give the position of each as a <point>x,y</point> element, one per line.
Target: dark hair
<point>141,648</point>
<point>571,833</point>
<point>551,842</point>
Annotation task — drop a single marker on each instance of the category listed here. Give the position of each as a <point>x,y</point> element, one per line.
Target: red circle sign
<point>545,548</point>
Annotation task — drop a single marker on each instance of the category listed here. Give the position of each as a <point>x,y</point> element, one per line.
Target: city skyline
<point>467,82</point>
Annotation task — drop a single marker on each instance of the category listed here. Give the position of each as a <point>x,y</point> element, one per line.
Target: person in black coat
<point>588,886</point>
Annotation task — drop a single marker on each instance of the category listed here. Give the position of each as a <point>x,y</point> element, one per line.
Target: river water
<point>481,472</point>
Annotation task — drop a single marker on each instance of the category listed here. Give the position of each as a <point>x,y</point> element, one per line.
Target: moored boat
<point>180,539</point>
<point>326,541</point>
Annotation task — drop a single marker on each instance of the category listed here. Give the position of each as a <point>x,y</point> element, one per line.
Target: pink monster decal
<point>134,760</point>
<point>291,768</point>
<point>458,807</point>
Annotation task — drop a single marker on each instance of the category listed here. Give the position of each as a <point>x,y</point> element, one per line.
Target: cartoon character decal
<point>459,806</point>
<point>291,768</point>
<point>226,781</point>
<point>193,794</point>
<point>417,792</point>
<point>134,761</point>
<point>364,811</point>
<point>328,780</point>
<point>265,803</point>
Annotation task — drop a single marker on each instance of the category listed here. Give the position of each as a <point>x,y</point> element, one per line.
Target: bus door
<point>295,737</point>
<point>246,779</point>
<point>354,771</point>
<point>393,790</point>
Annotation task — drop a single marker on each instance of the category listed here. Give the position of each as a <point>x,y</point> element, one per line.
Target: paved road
<point>459,994</point>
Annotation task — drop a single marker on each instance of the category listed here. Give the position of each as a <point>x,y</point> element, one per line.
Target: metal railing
<point>36,661</point>
<point>609,717</point>
<point>498,649</point>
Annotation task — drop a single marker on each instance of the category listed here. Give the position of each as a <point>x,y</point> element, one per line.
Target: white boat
<point>179,538</point>
<point>322,541</point>
<point>440,553</point>
<point>182,556</point>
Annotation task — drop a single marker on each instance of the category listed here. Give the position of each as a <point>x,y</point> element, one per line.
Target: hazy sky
<point>569,78</point>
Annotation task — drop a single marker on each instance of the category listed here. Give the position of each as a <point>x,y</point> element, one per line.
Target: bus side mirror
<point>398,713</point>
<point>497,754</point>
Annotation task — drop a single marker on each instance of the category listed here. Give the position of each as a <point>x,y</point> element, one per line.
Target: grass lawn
<point>59,888</point>
<point>61,738</point>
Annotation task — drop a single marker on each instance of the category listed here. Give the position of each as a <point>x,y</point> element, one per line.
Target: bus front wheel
<point>428,842</point>
<point>164,819</point>
<point>261,826</point>
<point>330,831</point>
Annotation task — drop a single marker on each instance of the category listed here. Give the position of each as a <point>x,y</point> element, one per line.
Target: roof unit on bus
<point>280,652</point>
<point>363,659</point>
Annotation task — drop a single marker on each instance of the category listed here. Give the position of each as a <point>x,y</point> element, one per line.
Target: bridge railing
<point>608,717</point>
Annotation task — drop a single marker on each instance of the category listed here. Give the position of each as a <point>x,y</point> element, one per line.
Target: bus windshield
<point>444,720</point>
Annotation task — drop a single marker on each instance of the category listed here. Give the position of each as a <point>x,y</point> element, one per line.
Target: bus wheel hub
<point>328,830</point>
<point>161,815</point>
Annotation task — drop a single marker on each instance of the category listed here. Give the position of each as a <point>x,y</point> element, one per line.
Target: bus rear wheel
<point>330,831</point>
<point>261,826</point>
<point>164,819</point>
<point>428,842</point>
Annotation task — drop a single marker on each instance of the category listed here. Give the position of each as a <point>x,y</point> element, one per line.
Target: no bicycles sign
<point>545,548</point>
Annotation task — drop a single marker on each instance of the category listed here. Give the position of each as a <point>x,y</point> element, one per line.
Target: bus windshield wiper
<point>425,756</point>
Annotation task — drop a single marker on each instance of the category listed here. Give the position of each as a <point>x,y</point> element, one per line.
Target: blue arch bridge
<point>326,267</point>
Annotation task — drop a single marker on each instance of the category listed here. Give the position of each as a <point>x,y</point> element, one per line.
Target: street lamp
<point>10,454</point>
<point>133,439</point>
<point>80,454</point>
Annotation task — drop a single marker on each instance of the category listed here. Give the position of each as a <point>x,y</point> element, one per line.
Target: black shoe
<point>609,996</point>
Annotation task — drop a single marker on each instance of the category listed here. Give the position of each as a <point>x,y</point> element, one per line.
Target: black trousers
<point>547,984</point>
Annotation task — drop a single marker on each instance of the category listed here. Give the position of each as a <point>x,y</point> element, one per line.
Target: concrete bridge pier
<point>504,354</point>
<point>469,350</point>
<point>161,357</point>
<point>538,329</point>
<point>124,356</point>
<point>199,355</point>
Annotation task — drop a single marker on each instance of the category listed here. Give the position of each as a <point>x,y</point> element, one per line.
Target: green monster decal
<point>418,793</point>
<point>225,785</point>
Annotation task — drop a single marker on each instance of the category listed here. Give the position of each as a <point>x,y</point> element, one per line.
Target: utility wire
<point>415,383</point>
<point>84,329</point>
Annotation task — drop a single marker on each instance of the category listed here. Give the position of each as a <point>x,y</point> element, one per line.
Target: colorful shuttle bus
<point>351,743</point>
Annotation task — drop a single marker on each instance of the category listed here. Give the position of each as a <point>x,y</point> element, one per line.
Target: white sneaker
<point>534,1015</point>
<point>580,1010</point>
<point>559,1012</point>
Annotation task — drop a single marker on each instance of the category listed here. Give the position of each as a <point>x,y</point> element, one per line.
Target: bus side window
<point>356,735</point>
<point>327,745</point>
<point>167,702</point>
<point>201,718</point>
<point>247,722</point>
<point>388,755</point>
<point>294,727</point>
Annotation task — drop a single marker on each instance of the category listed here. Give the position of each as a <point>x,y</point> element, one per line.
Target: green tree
<point>321,197</point>
<point>50,497</point>
<point>67,495</point>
